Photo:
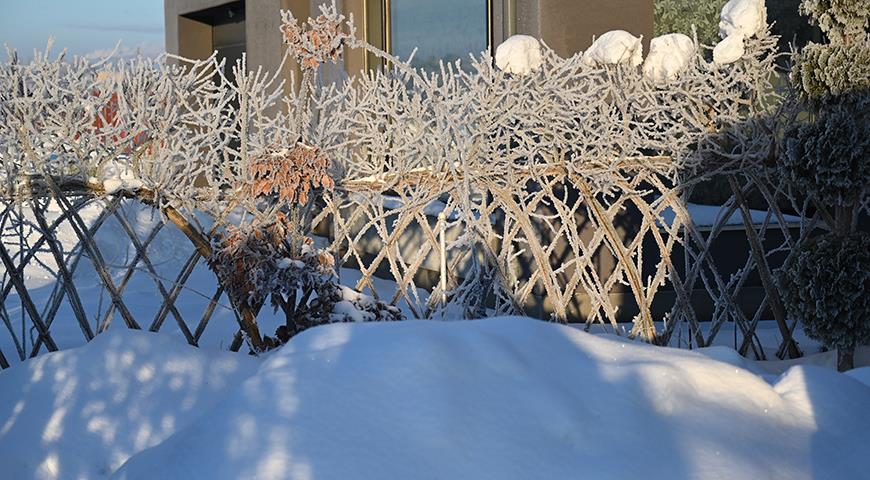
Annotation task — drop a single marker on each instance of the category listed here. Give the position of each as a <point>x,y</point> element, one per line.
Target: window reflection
<point>443,30</point>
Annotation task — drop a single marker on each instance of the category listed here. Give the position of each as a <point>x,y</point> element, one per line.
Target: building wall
<point>264,44</point>
<point>568,26</point>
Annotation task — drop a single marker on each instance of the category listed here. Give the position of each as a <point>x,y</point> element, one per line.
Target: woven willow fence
<point>563,193</point>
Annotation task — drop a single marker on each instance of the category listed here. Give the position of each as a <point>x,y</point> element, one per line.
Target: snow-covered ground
<point>497,398</point>
<point>708,215</point>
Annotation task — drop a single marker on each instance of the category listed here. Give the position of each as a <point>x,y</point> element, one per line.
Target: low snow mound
<point>519,54</point>
<point>742,17</point>
<point>731,357</point>
<point>510,398</point>
<point>615,46</point>
<point>861,374</point>
<point>81,413</point>
<point>668,56</point>
<point>729,50</point>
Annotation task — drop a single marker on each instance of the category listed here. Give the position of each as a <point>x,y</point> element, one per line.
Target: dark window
<point>227,23</point>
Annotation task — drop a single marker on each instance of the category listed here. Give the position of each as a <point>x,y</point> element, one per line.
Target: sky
<point>81,26</point>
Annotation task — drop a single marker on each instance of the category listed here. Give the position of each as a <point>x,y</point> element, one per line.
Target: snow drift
<point>81,413</point>
<point>498,398</point>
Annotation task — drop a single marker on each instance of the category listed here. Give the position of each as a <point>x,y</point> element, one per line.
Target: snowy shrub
<point>842,66</point>
<point>827,288</point>
<point>830,158</point>
<point>272,257</point>
<point>827,158</point>
<point>333,304</point>
<point>257,262</point>
<point>823,71</point>
<point>343,304</point>
<point>681,15</point>
<point>838,19</point>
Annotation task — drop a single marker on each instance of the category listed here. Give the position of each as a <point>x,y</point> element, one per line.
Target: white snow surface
<point>708,215</point>
<point>742,17</point>
<point>615,46</point>
<point>81,413</point>
<point>490,399</point>
<point>519,54</point>
<point>861,374</point>
<point>728,50</point>
<point>668,56</point>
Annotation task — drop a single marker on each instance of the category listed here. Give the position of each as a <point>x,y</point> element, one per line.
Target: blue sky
<point>81,26</point>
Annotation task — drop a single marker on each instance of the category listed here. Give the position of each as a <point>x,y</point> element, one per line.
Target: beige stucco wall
<point>568,26</point>
<point>263,40</point>
<point>194,36</point>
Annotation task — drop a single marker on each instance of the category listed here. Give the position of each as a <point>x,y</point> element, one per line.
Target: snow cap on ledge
<point>668,56</point>
<point>739,20</point>
<point>519,54</point>
<point>119,175</point>
<point>744,17</point>
<point>729,50</point>
<point>614,47</point>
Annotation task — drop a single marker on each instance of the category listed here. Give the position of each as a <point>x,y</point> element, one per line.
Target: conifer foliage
<point>827,157</point>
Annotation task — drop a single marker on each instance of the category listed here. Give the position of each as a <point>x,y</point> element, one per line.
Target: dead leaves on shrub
<point>290,173</point>
<point>254,261</point>
<point>317,40</point>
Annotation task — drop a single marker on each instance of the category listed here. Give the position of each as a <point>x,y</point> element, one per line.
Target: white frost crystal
<point>729,50</point>
<point>519,54</point>
<point>743,17</point>
<point>117,175</point>
<point>615,46</point>
<point>668,56</point>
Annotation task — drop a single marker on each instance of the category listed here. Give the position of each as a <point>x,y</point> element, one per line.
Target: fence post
<point>442,222</point>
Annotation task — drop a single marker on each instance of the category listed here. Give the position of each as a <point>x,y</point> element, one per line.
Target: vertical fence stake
<point>442,221</point>
<point>335,228</point>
